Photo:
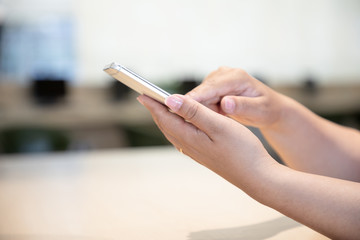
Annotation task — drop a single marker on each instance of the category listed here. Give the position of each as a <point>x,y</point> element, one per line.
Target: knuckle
<point>241,106</point>
<point>241,71</point>
<point>238,72</point>
<point>191,112</point>
<point>160,120</point>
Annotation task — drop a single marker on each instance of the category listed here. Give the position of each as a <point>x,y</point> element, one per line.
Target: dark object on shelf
<point>187,84</point>
<point>118,91</point>
<point>310,85</point>
<point>48,91</point>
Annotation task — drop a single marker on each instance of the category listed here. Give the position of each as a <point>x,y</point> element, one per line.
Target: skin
<point>316,188</point>
<point>304,140</point>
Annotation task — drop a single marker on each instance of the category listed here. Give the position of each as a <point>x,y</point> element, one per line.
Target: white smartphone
<point>136,82</point>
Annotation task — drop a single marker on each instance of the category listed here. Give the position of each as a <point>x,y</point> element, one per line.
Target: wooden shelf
<point>92,106</point>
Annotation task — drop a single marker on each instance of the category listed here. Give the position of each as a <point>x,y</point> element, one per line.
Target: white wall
<point>283,40</point>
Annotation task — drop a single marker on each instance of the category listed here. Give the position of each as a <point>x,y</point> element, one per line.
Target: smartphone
<point>136,82</point>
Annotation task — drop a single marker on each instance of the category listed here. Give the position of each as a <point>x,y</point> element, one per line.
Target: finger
<point>203,93</point>
<point>242,107</point>
<point>211,92</point>
<point>224,81</point>
<point>160,113</point>
<point>152,105</point>
<point>192,111</point>
<point>158,109</point>
<point>172,124</point>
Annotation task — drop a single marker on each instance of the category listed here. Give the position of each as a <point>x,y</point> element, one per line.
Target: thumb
<point>194,112</point>
<point>240,106</point>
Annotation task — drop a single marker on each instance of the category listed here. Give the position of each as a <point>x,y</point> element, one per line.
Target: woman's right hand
<point>233,92</point>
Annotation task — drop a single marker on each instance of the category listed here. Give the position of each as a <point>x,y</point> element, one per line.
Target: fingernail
<point>174,102</point>
<point>229,105</point>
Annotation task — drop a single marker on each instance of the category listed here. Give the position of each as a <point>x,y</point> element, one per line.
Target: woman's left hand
<point>215,141</point>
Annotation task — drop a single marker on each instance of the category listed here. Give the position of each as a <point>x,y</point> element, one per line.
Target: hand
<point>232,151</point>
<point>235,93</point>
<point>217,142</point>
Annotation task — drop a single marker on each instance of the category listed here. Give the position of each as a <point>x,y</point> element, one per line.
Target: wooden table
<point>130,194</point>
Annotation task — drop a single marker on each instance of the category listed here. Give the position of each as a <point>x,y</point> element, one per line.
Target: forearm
<point>327,205</point>
<point>312,144</point>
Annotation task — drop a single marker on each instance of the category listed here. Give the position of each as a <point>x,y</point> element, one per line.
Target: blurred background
<point>54,95</point>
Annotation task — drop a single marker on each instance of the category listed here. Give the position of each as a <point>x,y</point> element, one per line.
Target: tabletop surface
<point>132,194</point>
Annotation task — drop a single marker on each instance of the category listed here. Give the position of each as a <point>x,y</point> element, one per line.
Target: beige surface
<point>138,194</point>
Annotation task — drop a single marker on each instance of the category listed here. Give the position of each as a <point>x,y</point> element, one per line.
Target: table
<point>132,194</point>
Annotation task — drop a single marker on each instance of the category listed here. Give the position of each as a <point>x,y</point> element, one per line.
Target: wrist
<point>286,112</point>
<point>259,180</point>
<point>269,185</point>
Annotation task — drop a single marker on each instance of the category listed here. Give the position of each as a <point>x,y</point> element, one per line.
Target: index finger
<point>222,82</point>
<point>172,124</point>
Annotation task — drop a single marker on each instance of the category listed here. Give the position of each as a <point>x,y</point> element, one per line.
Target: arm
<point>312,144</point>
<point>327,205</point>
<point>305,141</point>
